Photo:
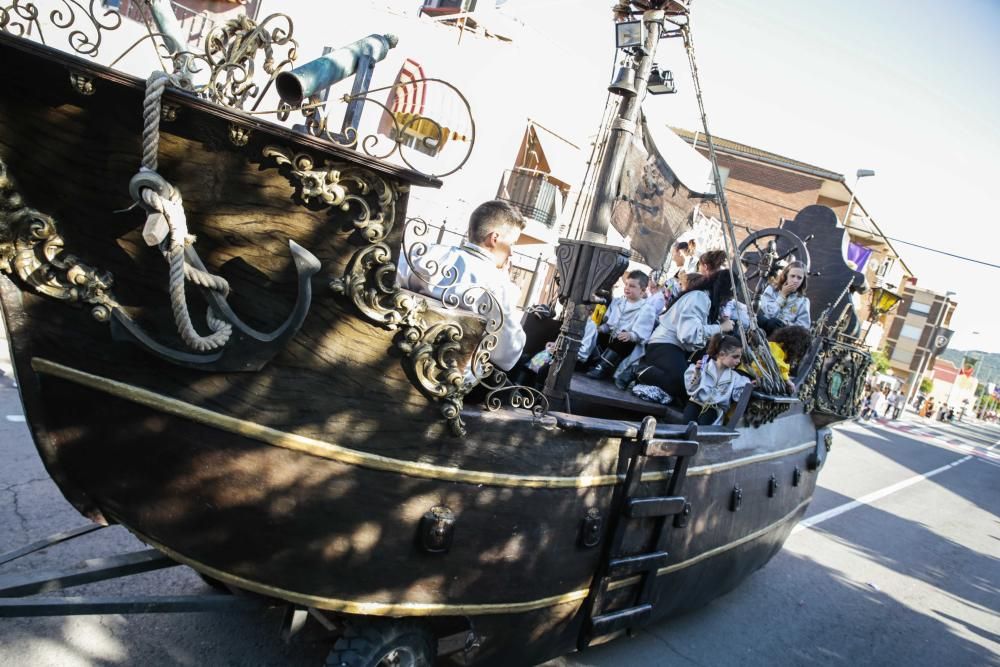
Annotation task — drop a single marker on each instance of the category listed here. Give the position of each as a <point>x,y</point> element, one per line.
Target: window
<point>921,308</point>
<point>910,331</point>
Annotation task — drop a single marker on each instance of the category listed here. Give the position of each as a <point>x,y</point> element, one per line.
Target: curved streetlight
<point>862,173</point>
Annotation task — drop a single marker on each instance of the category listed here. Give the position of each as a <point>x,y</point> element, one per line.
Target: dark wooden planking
<point>48,69</point>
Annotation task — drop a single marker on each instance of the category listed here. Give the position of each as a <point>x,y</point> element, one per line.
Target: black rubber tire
<point>379,643</point>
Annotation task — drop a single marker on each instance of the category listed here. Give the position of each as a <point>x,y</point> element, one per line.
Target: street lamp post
<point>862,173</point>
<point>883,300</point>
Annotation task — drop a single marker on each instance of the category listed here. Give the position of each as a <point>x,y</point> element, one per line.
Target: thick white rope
<point>170,210</point>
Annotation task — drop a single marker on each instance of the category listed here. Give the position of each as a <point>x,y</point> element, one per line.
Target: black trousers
<point>664,366</point>
<point>693,413</point>
<point>769,324</point>
<point>621,348</point>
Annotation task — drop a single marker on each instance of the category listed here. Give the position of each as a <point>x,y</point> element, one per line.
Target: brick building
<point>764,188</point>
<point>912,343</point>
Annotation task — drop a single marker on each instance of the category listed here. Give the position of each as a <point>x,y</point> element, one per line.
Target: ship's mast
<point>588,266</point>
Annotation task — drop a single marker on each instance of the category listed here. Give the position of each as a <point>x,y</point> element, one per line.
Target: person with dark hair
<point>713,382</point>
<point>678,256</point>
<point>629,321</point>
<point>785,303</point>
<point>691,260</point>
<point>712,261</point>
<point>483,262</point>
<point>789,346</point>
<point>684,328</point>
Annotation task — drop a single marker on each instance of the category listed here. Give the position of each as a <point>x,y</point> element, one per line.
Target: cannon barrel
<point>316,75</point>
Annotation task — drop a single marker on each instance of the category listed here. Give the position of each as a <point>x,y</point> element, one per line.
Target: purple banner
<point>858,254</point>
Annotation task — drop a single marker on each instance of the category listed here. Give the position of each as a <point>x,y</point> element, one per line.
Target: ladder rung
<point>626,565</point>
<point>671,448</point>
<point>619,620</point>
<point>655,506</point>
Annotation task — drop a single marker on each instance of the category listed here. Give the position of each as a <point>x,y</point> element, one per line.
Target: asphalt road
<point>910,575</point>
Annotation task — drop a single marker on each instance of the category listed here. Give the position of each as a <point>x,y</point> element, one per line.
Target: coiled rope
<point>166,226</point>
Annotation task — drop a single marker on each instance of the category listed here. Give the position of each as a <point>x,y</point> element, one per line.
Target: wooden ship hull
<point>321,466</point>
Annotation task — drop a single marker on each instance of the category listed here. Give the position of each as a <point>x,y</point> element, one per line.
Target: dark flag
<point>653,207</point>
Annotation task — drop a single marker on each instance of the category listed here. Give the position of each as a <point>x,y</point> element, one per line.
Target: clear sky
<point>909,89</point>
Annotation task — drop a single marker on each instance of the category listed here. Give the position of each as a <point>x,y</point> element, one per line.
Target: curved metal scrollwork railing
<point>433,352</point>
<point>443,282</point>
<point>23,19</point>
<point>421,133</point>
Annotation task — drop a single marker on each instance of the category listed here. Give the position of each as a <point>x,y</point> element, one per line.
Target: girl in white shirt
<point>684,328</point>
<point>713,383</point>
<point>785,304</point>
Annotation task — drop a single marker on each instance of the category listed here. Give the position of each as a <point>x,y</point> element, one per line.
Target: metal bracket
<point>736,501</point>
<point>772,487</point>
<point>681,520</point>
<point>590,531</point>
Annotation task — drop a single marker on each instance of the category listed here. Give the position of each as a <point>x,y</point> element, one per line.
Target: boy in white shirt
<point>629,321</point>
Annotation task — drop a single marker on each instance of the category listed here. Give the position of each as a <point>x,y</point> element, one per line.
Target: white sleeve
<point>511,337</point>
<point>644,323</point>
<point>690,375</point>
<point>769,304</point>
<point>741,383</point>
<point>693,328</point>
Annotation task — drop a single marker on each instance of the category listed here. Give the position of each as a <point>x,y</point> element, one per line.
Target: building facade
<point>915,334</point>
<point>764,188</point>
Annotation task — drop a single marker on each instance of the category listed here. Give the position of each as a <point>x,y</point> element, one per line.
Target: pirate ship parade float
<point>231,372</point>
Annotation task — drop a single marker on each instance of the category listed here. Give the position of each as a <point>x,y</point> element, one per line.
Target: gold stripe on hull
<point>327,450</point>
<point>439,609</point>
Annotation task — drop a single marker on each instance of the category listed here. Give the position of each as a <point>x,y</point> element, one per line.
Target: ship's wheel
<point>766,252</point>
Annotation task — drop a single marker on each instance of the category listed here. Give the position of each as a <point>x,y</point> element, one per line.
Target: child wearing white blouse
<point>785,303</point>
<point>713,382</point>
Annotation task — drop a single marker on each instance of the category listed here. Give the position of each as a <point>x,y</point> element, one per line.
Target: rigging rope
<point>759,352</point>
<point>166,226</point>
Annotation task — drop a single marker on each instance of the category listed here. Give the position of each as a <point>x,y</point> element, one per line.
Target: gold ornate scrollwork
<point>32,249</point>
<point>762,411</point>
<point>348,187</point>
<point>430,351</point>
<point>835,384</point>
<point>82,83</point>
<point>239,136</point>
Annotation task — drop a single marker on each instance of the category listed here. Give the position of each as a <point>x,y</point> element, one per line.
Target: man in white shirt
<point>481,262</point>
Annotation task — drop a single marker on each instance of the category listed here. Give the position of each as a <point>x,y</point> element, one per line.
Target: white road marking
<point>15,418</point>
<point>872,497</point>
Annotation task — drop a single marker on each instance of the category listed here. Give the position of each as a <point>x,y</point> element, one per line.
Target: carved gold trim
<point>738,463</point>
<point>442,609</point>
<point>327,450</point>
<point>694,560</point>
<point>309,445</point>
<point>369,608</point>
<point>370,198</point>
<point>31,248</point>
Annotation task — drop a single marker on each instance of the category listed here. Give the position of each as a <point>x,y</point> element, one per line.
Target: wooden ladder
<point>618,569</point>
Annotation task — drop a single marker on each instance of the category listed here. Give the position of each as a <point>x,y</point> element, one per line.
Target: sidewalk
<point>6,370</point>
